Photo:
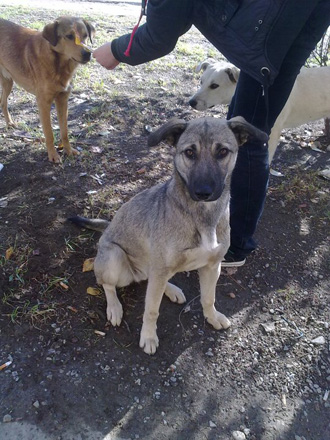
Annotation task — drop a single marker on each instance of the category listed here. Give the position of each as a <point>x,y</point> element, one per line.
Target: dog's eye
<point>70,37</point>
<point>222,152</point>
<point>214,86</point>
<point>190,153</point>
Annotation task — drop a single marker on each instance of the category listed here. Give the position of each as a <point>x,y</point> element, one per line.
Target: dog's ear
<point>50,33</point>
<point>233,73</point>
<point>171,131</point>
<point>204,64</point>
<point>244,131</point>
<point>90,30</point>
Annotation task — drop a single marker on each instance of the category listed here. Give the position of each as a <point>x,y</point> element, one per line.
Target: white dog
<point>309,99</point>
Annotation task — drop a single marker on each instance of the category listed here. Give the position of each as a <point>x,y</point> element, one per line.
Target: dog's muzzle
<point>205,192</point>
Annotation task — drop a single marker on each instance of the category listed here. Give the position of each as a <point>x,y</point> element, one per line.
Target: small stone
<point>7,418</point>
<point>268,327</point>
<point>36,404</point>
<point>212,424</point>
<point>320,340</point>
<point>238,435</point>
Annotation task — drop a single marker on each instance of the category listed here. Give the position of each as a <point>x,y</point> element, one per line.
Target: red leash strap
<point>143,12</point>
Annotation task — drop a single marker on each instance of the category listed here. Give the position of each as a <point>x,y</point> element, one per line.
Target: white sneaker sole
<point>233,263</point>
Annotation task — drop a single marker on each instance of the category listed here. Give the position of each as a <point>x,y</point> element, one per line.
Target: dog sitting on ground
<point>309,99</point>
<point>177,226</point>
<point>43,63</point>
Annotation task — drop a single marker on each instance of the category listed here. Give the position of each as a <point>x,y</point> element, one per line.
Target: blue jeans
<point>251,173</point>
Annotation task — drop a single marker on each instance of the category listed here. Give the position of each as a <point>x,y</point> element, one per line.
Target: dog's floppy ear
<point>50,33</point>
<point>244,131</point>
<point>204,64</point>
<point>233,73</point>
<point>171,131</point>
<point>90,30</point>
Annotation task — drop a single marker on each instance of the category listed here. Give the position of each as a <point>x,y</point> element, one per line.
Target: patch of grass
<point>187,49</point>
<point>213,53</point>
<point>22,15</point>
<point>38,313</point>
<point>54,283</point>
<point>37,25</point>
<point>303,186</point>
<point>15,264</point>
<point>7,296</point>
<point>35,313</point>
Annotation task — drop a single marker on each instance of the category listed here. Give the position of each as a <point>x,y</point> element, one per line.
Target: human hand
<point>104,56</point>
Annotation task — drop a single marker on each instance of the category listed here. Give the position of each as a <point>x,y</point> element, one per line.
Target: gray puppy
<point>177,226</point>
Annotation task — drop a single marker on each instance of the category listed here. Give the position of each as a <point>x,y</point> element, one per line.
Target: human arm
<point>166,21</point>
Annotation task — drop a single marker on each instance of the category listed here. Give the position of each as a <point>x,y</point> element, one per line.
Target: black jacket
<point>252,34</point>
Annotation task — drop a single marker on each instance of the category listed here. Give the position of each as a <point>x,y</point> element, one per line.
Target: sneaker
<point>230,260</point>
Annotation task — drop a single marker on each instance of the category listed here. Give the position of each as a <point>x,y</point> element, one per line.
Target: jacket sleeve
<point>166,21</point>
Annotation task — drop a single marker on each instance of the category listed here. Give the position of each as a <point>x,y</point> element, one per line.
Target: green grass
<point>302,186</point>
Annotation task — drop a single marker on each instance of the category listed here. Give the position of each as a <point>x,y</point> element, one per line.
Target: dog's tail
<point>94,224</point>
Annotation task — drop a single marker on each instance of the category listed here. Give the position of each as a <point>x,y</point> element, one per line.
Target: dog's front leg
<point>7,84</point>
<point>61,103</point>
<point>208,277</point>
<point>114,308</point>
<point>44,105</point>
<point>155,290</point>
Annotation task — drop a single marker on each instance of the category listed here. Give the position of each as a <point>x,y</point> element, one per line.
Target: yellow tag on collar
<point>79,43</point>
<point>77,40</point>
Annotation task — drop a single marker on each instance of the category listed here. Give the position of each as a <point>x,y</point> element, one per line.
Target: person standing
<point>269,41</point>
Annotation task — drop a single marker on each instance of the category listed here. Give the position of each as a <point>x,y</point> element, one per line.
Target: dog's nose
<point>204,192</point>
<point>193,103</point>
<point>86,56</point>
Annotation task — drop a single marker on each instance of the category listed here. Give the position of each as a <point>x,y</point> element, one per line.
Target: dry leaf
<point>88,265</point>
<point>94,291</point>
<point>9,253</point>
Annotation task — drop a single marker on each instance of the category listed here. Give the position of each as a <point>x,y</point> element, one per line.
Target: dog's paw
<point>175,294</point>
<point>71,152</point>
<point>54,157</point>
<point>11,124</point>
<point>149,342</point>
<point>218,321</point>
<point>115,313</point>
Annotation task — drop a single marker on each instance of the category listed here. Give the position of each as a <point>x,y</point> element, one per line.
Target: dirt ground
<point>72,376</point>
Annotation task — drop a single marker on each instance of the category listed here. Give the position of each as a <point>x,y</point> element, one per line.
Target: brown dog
<point>43,63</point>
